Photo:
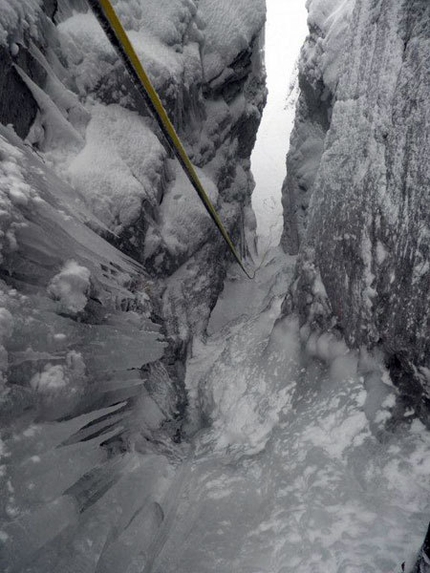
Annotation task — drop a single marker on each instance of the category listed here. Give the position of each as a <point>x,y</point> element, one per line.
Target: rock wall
<point>109,263</point>
<point>357,194</point>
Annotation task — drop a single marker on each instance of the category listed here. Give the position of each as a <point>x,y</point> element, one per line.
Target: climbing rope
<point>106,15</point>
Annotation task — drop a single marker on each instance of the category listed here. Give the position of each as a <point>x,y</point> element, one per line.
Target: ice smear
<point>51,130</point>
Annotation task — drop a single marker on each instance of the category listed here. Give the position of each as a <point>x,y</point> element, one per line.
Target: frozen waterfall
<point>159,412</point>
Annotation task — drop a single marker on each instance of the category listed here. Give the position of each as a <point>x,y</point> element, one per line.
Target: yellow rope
<point>112,24</point>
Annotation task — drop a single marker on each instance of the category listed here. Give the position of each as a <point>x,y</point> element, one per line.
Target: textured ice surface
<point>290,467</point>
<point>73,334</point>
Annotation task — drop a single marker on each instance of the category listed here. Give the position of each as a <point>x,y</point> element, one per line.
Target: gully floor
<point>290,468</point>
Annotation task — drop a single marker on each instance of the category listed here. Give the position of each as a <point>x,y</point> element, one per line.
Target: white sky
<point>285,33</point>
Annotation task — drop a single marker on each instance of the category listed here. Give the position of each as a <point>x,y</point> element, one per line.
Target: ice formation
<point>159,412</point>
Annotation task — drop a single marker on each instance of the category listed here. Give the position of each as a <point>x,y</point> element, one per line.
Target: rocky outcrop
<point>357,192</point>
<point>422,564</point>
<point>109,263</point>
<point>312,121</point>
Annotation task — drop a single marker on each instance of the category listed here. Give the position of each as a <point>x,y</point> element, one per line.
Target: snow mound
<point>183,219</point>
<point>70,287</point>
<point>157,31</point>
<point>120,167</point>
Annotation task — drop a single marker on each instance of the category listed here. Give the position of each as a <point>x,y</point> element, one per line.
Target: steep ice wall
<point>356,196</point>
<point>109,264</point>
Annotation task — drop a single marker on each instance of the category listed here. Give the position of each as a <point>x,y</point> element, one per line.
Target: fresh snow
<point>180,212</point>
<point>116,173</point>
<point>70,287</point>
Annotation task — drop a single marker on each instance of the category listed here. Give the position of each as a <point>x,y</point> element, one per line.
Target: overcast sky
<point>285,33</point>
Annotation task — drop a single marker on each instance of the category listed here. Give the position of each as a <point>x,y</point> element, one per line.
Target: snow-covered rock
<point>356,197</point>
<point>109,264</point>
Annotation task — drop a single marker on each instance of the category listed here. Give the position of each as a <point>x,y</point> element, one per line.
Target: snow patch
<point>56,377</point>
<point>231,27</point>
<point>120,166</point>
<point>70,287</point>
<point>183,218</point>
<point>332,17</point>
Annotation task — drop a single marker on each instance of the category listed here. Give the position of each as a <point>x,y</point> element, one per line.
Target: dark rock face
<point>423,561</point>
<point>17,105</point>
<point>50,7</point>
<point>367,225</point>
